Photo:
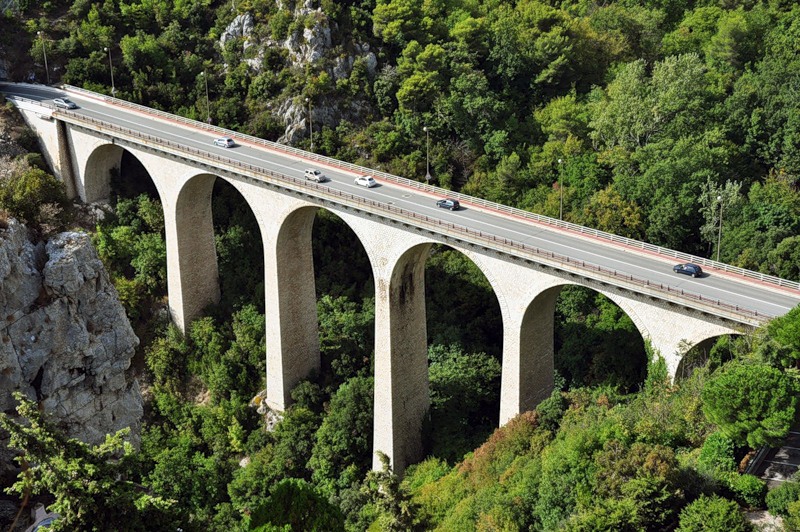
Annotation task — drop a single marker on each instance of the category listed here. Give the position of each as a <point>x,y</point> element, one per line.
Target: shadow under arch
<point>112,170</point>
<point>605,327</point>
<point>712,352</point>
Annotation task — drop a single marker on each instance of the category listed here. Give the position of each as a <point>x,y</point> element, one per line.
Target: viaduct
<point>83,150</point>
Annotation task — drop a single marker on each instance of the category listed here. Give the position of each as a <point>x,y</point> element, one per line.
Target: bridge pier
<point>528,355</point>
<point>291,303</point>
<point>192,273</point>
<point>402,395</point>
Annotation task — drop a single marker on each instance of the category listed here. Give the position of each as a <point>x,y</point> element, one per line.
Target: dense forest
<point>671,121</point>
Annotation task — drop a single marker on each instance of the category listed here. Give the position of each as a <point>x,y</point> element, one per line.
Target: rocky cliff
<point>64,338</point>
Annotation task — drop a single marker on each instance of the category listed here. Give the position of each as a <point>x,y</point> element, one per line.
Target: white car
<point>65,103</point>
<point>366,181</point>
<point>225,142</point>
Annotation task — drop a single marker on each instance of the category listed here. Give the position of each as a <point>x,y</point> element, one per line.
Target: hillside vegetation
<point>653,119</point>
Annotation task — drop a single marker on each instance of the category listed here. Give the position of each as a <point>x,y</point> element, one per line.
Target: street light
<point>111,68</point>
<point>560,190</point>
<point>310,124</point>
<point>427,155</point>
<point>719,235</point>
<point>44,52</point>
<point>208,106</point>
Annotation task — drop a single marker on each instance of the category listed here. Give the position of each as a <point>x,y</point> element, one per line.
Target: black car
<point>448,203</point>
<point>689,269</point>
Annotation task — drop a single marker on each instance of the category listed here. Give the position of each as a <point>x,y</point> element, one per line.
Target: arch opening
<point>712,353</point>
<point>465,346</point>
<point>596,343</point>
<point>325,269</point>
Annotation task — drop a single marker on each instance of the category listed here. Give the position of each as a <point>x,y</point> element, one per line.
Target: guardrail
<point>435,224</point>
<point>430,189</point>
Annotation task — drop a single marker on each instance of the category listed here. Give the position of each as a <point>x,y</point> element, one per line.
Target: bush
<point>712,514</point>
<point>716,455</point>
<point>747,489</point>
<point>25,191</point>
<point>779,499</point>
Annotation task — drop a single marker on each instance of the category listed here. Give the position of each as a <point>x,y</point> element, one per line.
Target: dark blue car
<point>689,269</point>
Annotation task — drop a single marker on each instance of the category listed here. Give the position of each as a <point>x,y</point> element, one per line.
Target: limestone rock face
<point>241,26</point>
<point>65,340</point>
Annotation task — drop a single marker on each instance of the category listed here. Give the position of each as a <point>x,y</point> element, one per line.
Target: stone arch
<point>104,159</point>
<point>697,355</point>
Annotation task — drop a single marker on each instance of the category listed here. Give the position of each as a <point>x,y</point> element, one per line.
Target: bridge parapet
<point>424,187</point>
<point>217,163</point>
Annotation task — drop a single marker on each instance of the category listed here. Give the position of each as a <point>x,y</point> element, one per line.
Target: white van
<point>315,175</point>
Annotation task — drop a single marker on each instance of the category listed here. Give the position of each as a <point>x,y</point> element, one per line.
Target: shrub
<point>779,499</point>
<point>23,192</point>
<point>748,490</point>
<point>712,514</point>
<point>716,455</point>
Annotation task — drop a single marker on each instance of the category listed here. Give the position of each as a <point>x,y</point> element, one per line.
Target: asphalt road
<point>716,285</point>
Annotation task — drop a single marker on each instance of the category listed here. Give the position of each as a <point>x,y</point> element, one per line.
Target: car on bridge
<point>448,203</point>
<point>689,269</point>
<point>65,103</point>
<point>225,142</point>
<point>366,181</point>
<point>315,175</point>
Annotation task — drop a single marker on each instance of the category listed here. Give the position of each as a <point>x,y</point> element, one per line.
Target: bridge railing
<point>462,232</point>
<point>437,191</point>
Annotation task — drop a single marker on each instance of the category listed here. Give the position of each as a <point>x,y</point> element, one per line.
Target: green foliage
<point>26,190</point>
<point>166,358</point>
<point>779,498</point>
<point>712,514</point>
<point>781,343</point>
<point>751,403</point>
<point>464,389</point>
<point>342,451</point>
<point>346,337</point>
<point>92,485</point>
<point>747,490</point>
<point>296,504</point>
<point>716,455</point>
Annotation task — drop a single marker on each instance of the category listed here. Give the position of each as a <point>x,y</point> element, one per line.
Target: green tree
<point>752,404</point>
<point>342,450</point>
<point>712,514</point>
<point>296,503</point>
<point>92,484</point>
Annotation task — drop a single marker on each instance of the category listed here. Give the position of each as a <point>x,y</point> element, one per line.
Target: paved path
<point>781,463</point>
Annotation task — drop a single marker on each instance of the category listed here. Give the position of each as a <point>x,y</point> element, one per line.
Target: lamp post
<point>208,106</point>
<point>111,68</point>
<point>560,190</point>
<point>44,53</point>
<point>427,155</point>
<point>719,235</point>
<point>310,124</point>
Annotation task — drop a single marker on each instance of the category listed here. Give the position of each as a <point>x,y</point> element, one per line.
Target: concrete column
<point>66,161</point>
<point>528,353</point>
<point>291,303</point>
<point>192,274</point>
<point>402,396</point>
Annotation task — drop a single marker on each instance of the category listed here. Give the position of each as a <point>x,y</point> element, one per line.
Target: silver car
<point>65,103</point>
<point>225,142</point>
